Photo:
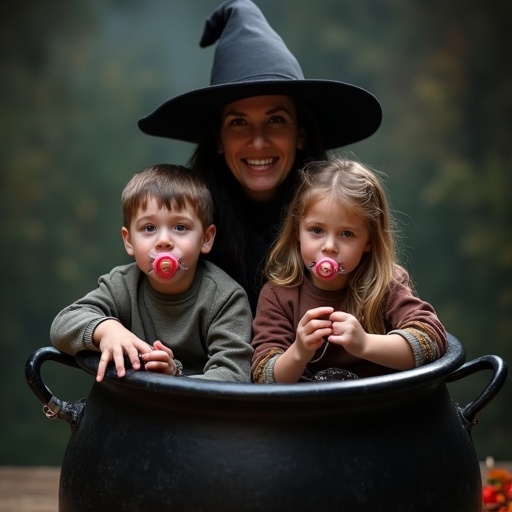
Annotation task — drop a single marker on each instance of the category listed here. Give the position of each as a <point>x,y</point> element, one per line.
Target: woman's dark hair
<point>229,250</point>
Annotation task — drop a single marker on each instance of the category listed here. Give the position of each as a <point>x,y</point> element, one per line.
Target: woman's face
<point>259,137</point>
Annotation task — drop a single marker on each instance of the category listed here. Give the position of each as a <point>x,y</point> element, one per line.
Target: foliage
<point>77,76</point>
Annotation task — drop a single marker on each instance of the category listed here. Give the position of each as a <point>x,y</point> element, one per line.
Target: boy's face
<point>178,232</point>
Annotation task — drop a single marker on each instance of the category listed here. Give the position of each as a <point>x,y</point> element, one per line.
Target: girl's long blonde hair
<point>360,191</point>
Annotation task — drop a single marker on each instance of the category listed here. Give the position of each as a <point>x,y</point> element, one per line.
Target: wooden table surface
<point>29,489</point>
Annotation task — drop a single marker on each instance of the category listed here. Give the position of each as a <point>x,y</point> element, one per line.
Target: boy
<point>170,311</point>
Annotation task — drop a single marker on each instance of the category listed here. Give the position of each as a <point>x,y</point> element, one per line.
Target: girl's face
<point>327,230</point>
<point>259,137</point>
<point>178,232</point>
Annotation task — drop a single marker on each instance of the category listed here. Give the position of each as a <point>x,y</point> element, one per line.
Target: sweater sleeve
<point>71,330</point>
<point>415,320</point>
<point>274,332</point>
<point>228,335</point>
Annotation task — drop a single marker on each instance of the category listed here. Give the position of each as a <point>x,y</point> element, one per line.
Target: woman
<point>255,125</point>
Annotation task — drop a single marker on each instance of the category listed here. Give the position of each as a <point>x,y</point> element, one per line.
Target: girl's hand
<point>390,350</point>
<point>160,359</point>
<point>349,333</point>
<point>312,329</point>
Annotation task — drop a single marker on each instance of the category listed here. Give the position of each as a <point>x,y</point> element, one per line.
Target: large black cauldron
<point>148,442</point>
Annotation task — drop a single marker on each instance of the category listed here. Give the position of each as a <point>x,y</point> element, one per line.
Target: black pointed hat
<point>251,59</point>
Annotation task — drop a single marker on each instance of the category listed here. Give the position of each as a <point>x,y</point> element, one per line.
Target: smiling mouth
<point>260,163</point>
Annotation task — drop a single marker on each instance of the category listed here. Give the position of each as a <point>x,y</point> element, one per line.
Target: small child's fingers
<point>168,367</point>
<point>155,365</point>
<point>340,316</point>
<point>102,366</point>
<point>118,357</point>
<point>315,313</point>
<point>133,356</point>
<point>158,345</point>
<point>155,355</point>
<point>139,347</point>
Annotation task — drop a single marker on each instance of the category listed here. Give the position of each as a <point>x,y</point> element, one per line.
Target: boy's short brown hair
<point>173,186</point>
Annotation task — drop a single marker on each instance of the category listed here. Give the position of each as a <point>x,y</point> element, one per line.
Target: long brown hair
<point>358,189</point>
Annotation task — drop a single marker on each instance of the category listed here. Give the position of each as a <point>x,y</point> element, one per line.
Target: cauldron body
<point>398,442</point>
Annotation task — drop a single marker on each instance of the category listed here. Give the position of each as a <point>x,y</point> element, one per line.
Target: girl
<point>335,295</point>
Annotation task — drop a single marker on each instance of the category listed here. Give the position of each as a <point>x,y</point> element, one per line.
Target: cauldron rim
<point>407,380</point>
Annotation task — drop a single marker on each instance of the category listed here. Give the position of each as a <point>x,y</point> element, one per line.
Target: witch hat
<point>251,59</point>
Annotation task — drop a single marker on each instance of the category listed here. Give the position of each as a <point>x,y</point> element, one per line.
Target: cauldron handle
<point>499,376</point>
<point>52,406</point>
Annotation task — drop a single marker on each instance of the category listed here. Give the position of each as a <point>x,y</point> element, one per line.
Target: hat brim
<point>344,113</point>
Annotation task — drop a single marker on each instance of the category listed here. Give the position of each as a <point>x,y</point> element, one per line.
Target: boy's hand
<point>160,359</point>
<point>114,341</point>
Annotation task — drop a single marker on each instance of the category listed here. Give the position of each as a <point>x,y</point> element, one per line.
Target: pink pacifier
<point>164,264</point>
<point>327,268</point>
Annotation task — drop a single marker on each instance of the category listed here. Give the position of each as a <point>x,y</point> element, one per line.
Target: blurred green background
<point>77,75</point>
